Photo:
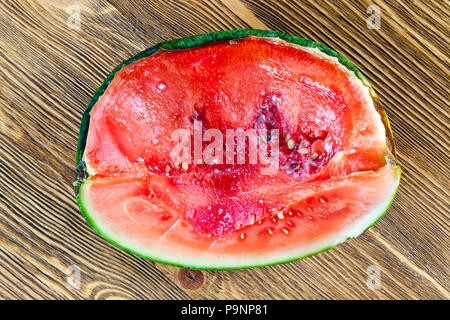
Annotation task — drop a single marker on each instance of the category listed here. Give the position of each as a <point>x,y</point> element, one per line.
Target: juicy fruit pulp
<point>335,175</point>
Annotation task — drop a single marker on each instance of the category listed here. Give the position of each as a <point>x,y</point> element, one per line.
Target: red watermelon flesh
<point>336,172</point>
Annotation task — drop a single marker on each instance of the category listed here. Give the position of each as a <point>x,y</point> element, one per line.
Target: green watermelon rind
<point>185,43</point>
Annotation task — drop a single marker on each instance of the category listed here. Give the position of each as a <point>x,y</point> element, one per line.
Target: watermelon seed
<point>274,220</point>
<point>242,236</point>
<point>252,220</point>
<point>280,215</point>
<point>291,144</point>
<point>289,223</point>
<point>322,200</point>
<point>288,137</point>
<point>270,231</point>
<point>167,169</point>
<point>260,221</point>
<point>285,231</point>
<point>303,150</point>
<point>290,213</point>
<point>184,166</point>
<point>314,156</point>
<point>233,42</point>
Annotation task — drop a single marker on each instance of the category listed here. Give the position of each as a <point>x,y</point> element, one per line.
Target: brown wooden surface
<point>48,72</point>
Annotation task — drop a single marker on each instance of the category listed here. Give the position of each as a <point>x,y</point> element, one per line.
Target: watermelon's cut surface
<point>337,175</point>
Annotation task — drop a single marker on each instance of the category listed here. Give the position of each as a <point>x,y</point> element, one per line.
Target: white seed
<point>184,166</point>
<point>252,220</point>
<point>242,236</point>
<point>280,215</point>
<point>288,137</point>
<point>322,200</point>
<point>285,231</point>
<point>314,156</point>
<point>291,144</point>
<point>303,150</point>
<point>167,168</point>
<point>270,231</point>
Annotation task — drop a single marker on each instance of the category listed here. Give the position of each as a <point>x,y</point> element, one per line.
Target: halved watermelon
<point>336,173</point>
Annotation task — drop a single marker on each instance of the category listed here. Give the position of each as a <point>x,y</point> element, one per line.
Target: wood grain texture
<point>49,71</point>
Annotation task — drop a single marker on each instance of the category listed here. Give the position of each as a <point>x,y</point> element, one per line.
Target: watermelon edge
<point>82,171</point>
<point>361,230</point>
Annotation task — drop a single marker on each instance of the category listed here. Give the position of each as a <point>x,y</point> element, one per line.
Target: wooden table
<point>50,66</point>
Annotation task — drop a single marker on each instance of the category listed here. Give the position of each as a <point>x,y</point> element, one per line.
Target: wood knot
<point>191,279</point>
